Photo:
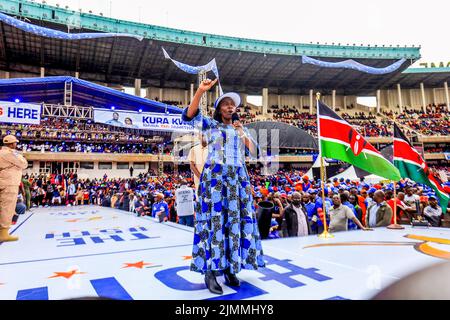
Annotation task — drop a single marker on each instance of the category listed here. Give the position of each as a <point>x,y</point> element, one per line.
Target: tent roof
<point>349,173</point>
<point>84,93</point>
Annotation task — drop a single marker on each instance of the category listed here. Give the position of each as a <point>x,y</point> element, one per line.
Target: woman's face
<point>227,108</point>
<point>128,121</point>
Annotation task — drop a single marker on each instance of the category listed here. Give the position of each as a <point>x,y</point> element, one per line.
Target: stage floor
<point>70,252</point>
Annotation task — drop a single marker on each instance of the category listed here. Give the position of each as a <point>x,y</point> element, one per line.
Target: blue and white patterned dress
<point>226,232</point>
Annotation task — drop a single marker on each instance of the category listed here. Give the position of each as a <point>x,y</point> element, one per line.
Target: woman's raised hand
<point>207,84</point>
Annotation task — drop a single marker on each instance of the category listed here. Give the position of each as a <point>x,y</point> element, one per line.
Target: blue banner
<point>354,65</point>
<point>15,112</point>
<point>210,66</point>
<point>144,120</point>
<point>50,33</point>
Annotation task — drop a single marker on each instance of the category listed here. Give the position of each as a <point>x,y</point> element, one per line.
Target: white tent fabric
<point>316,164</point>
<point>373,178</point>
<point>350,173</point>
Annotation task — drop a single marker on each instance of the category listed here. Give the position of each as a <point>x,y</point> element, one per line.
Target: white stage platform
<point>84,251</point>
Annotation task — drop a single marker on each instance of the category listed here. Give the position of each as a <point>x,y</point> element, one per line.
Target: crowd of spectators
<point>93,147</point>
<point>434,121</point>
<point>282,189</point>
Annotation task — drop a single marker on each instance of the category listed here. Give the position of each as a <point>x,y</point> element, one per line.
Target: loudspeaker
<point>264,217</point>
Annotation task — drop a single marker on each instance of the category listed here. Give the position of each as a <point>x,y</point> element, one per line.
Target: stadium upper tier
<point>245,65</point>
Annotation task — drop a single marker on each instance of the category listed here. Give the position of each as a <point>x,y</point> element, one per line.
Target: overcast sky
<point>346,21</point>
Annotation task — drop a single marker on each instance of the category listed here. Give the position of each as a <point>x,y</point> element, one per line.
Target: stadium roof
<point>51,90</point>
<point>245,65</point>
<point>430,77</point>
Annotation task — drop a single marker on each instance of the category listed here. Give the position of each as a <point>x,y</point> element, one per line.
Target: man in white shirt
<point>197,157</point>
<point>411,198</point>
<point>184,202</point>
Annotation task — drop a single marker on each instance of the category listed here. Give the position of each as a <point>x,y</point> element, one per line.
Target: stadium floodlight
<point>17,100</point>
<point>113,108</point>
<point>140,110</point>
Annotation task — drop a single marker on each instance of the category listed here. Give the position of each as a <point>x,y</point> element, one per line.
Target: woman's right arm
<point>204,86</point>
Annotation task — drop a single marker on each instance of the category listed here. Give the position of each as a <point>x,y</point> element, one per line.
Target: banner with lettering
<point>25,113</point>
<point>138,120</point>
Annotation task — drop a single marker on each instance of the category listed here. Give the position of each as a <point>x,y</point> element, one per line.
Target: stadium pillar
<point>243,98</point>
<point>42,72</point>
<point>279,101</point>
<point>411,98</point>
<point>192,92</point>
<point>137,87</point>
<point>345,102</point>
<point>434,96</point>
<point>186,98</point>
<point>77,74</point>
<point>400,100</point>
<point>311,101</point>
<point>161,92</point>
<point>301,104</point>
<point>378,101</point>
<point>447,99</point>
<point>265,100</point>
<point>422,93</point>
<point>333,99</point>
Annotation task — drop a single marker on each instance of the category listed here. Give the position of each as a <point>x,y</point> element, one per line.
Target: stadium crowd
<point>434,121</point>
<point>291,191</point>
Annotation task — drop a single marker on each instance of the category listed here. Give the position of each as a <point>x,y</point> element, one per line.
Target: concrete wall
<point>99,173</point>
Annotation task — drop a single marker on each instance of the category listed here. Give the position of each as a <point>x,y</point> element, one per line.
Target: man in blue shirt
<point>319,206</point>
<point>160,209</point>
<point>115,120</point>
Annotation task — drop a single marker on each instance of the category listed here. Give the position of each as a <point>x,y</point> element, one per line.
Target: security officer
<point>11,166</point>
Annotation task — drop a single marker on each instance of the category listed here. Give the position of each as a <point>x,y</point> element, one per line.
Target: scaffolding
<point>203,101</point>
<point>160,159</point>
<point>67,111</point>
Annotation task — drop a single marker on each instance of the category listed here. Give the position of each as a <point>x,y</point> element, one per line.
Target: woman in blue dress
<point>226,235</point>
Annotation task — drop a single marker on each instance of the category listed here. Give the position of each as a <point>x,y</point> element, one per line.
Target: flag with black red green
<point>412,166</point>
<point>339,140</point>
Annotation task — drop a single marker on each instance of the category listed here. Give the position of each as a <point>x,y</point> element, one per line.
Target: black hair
<point>217,114</point>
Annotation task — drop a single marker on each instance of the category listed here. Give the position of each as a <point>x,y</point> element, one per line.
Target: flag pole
<point>395,225</point>
<point>325,234</point>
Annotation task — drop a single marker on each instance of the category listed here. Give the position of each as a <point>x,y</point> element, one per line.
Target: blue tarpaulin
<point>84,93</point>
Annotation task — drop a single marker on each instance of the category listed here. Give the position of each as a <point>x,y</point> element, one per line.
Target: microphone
<point>234,117</point>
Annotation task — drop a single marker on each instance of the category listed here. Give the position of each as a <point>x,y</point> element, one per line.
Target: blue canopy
<point>84,93</point>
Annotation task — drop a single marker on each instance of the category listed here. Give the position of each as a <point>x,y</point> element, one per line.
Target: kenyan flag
<point>412,166</point>
<point>338,140</point>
